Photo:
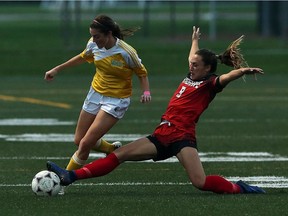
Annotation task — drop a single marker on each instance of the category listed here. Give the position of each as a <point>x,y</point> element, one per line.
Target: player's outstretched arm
<point>224,79</point>
<point>194,46</point>
<point>49,75</point>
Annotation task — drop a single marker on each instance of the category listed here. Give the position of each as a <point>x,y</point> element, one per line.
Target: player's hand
<point>252,71</point>
<point>145,97</point>
<point>49,75</point>
<point>196,33</point>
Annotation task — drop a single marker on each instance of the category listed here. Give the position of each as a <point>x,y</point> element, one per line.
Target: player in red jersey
<point>175,136</point>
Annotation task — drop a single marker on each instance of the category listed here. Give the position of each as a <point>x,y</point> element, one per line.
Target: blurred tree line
<point>272,16</point>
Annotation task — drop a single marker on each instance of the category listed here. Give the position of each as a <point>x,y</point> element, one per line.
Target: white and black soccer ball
<point>46,183</point>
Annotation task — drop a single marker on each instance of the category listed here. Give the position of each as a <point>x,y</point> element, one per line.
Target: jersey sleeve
<point>136,64</point>
<point>217,86</point>
<point>87,52</point>
<point>141,72</point>
<point>133,60</point>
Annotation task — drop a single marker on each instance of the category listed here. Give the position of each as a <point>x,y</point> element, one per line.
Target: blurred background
<point>38,118</point>
<point>37,35</point>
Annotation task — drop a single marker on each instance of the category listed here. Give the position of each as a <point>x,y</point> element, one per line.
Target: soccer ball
<point>46,183</point>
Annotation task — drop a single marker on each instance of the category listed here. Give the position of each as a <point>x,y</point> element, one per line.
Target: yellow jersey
<point>114,68</point>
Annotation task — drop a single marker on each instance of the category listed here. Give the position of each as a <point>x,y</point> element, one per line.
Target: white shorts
<point>114,106</point>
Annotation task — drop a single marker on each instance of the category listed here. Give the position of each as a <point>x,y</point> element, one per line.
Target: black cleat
<point>66,177</point>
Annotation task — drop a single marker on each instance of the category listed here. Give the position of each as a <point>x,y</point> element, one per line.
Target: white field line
<point>205,157</point>
<point>55,137</point>
<point>56,122</point>
<point>34,122</point>
<point>261,181</point>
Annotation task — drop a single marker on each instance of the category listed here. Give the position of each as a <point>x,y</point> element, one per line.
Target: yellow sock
<point>104,146</point>
<point>75,163</point>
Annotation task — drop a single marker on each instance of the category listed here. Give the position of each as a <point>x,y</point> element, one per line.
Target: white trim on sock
<point>77,160</point>
<point>98,143</point>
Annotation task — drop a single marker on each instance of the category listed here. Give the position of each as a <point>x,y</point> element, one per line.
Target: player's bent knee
<point>85,145</point>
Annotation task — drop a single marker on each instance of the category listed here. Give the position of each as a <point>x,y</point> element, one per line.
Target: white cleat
<point>117,144</point>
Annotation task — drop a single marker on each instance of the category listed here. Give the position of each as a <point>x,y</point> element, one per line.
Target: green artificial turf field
<point>242,135</point>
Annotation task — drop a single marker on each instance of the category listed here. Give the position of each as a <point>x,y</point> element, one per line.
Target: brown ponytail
<point>106,24</point>
<point>128,32</point>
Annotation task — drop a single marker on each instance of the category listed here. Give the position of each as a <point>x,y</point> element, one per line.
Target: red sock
<point>98,167</point>
<point>218,184</point>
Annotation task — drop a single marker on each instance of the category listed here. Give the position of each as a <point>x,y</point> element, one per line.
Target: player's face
<point>197,68</point>
<point>99,38</point>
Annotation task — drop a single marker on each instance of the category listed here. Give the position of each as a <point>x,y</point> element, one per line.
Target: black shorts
<point>164,152</point>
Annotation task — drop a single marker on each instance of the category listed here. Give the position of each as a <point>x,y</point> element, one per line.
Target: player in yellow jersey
<point>111,87</point>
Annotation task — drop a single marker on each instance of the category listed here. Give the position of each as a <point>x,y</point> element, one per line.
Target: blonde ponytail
<point>232,56</point>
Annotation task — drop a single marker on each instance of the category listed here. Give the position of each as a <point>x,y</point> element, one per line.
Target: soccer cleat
<point>245,188</point>
<point>117,144</point>
<point>66,177</point>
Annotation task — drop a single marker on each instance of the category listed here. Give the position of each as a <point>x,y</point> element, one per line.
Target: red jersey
<point>185,107</point>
